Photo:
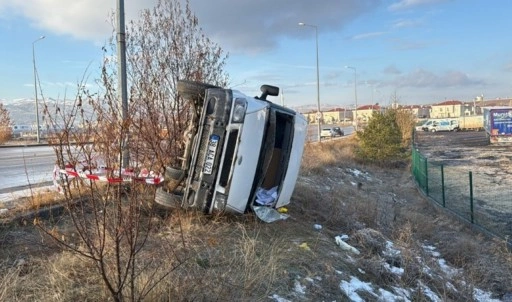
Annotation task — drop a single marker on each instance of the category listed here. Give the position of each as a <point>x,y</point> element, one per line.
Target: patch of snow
<point>353,288</point>
<point>447,269</point>
<point>482,296</point>
<point>355,172</point>
<point>429,293</point>
<point>393,269</point>
<point>299,288</point>
<point>451,287</point>
<point>277,298</point>
<point>402,292</point>
<point>388,296</point>
<point>390,250</point>
<point>350,288</point>
<point>432,250</point>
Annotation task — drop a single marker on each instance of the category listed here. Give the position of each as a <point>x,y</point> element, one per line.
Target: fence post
<point>413,161</point>
<point>471,195</point>
<point>442,185</point>
<point>426,176</point>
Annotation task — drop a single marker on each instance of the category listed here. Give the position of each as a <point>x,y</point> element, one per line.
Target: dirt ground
<point>373,206</point>
<point>491,168</point>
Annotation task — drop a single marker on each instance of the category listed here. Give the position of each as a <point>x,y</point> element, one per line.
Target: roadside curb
<point>24,145</point>
<point>25,218</point>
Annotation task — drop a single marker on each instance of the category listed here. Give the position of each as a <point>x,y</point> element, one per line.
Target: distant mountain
<point>23,111</point>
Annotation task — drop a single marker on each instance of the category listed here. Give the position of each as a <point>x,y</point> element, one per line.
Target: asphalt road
<point>25,165</point>
<point>313,131</point>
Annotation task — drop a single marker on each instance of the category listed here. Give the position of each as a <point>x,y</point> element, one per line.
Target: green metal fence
<point>477,198</point>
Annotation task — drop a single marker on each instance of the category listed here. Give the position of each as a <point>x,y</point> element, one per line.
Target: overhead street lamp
<point>355,93</point>
<point>319,113</point>
<point>35,87</point>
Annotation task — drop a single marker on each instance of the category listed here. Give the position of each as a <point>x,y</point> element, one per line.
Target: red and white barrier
<point>103,174</point>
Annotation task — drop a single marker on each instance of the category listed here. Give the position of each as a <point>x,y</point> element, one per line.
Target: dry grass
<point>39,200</point>
<point>318,156</point>
<point>238,258</point>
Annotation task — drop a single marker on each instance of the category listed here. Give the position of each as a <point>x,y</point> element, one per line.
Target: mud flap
<point>268,214</point>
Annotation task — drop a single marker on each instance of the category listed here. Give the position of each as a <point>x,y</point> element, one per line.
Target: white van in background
<point>434,125</point>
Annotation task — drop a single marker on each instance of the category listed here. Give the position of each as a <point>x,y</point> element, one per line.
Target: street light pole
<point>122,82</point>
<point>355,93</point>
<point>319,112</point>
<point>35,87</point>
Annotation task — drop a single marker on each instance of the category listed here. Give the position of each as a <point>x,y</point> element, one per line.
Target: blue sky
<point>422,51</point>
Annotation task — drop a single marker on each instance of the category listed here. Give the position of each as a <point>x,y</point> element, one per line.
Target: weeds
<point>222,257</point>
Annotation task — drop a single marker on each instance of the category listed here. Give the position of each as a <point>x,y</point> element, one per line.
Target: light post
<point>35,87</point>
<point>355,93</point>
<point>122,81</point>
<point>373,90</point>
<point>319,113</point>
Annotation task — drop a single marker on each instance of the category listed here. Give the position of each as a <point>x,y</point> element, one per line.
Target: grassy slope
<point>223,258</point>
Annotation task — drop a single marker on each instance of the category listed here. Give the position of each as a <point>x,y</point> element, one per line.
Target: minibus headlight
<point>239,110</point>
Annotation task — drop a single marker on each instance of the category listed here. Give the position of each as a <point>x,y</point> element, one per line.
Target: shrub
<point>381,141</point>
<point>5,121</point>
<point>406,122</point>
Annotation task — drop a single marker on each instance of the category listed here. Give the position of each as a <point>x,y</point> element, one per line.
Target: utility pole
<point>122,83</point>
<point>355,94</point>
<point>38,134</point>
<point>319,111</point>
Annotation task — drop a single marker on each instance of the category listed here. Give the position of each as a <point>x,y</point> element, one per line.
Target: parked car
<point>243,153</point>
<point>331,132</point>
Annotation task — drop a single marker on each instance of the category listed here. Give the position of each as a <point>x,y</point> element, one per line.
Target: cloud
<point>404,23</point>
<point>368,35</point>
<point>391,70</point>
<point>403,44</point>
<point>266,22</point>
<point>81,19</point>
<point>408,4</point>
<point>421,78</point>
<point>246,26</point>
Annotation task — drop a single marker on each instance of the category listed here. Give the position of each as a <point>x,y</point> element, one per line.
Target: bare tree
<point>5,123</point>
<point>165,45</point>
<point>111,217</point>
<point>404,119</point>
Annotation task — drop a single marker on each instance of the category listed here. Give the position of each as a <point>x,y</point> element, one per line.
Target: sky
<point>413,51</point>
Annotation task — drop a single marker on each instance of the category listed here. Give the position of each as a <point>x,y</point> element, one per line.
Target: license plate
<point>210,154</point>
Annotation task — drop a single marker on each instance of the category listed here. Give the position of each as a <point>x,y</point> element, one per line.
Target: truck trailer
<point>498,124</point>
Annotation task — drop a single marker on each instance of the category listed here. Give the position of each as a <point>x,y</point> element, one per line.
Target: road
<point>23,166</point>
<point>313,131</point>
<point>33,165</point>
